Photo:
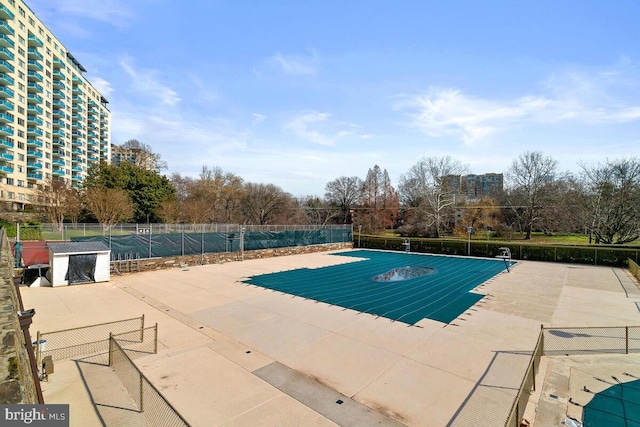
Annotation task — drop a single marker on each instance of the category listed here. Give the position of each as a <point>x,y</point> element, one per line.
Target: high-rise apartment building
<point>476,186</point>
<point>53,122</point>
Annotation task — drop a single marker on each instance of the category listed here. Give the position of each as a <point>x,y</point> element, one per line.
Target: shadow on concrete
<point>489,402</point>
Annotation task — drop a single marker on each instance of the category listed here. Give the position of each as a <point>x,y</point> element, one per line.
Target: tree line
<point>602,199</point>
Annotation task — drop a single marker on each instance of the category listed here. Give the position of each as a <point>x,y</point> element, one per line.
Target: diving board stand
<point>505,254</point>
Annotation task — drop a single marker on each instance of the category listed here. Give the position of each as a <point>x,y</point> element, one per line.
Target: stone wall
<point>17,382</point>
<point>220,257</point>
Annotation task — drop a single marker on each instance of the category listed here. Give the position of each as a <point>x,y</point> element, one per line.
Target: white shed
<point>78,262</point>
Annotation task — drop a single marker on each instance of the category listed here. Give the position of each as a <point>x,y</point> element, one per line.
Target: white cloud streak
<point>146,82</point>
<point>572,97</point>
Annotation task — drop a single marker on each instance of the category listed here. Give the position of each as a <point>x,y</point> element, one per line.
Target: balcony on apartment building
<point>6,130</point>
<point>34,41</point>
<point>6,54</point>
<point>34,143</point>
<point>59,114</point>
<point>59,132</point>
<point>5,13</point>
<point>6,118</point>
<point>35,65</point>
<point>59,143</point>
<point>34,76</point>
<point>6,79</point>
<point>6,41</point>
<point>6,156</point>
<point>34,175</point>
<point>6,144</point>
<point>34,154</point>
<point>58,104</point>
<point>34,120</point>
<point>58,63</point>
<point>6,105</point>
<point>58,94</point>
<point>59,172</point>
<point>5,67</point>
<point>34,131</point>
<point>34,54</point>
<point>34,109</point>
<point>5,28</point>
<point>58,84</point>
<point>34,87</point>
<point>33,98</point>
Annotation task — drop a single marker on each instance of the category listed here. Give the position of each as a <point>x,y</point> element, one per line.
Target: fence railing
<point>156,410</point>
<point>634,268</point>
<point>85,340</point>
<point>572,341</point>
<point>581,254</point>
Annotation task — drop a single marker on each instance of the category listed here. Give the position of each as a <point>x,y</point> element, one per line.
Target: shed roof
<point>75,247</point>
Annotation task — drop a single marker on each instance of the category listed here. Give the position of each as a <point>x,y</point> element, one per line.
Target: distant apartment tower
<point>137,154</point>
<point>476,186</point>
<point>53,122</point>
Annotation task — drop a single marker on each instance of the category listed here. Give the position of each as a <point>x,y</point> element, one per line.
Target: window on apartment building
<point>47,165</point>
<point>9,181</point>
<point>47,134</point>
<point>20,134</point>
<point>48,73</point>
<point>48,104</point>
<point>21,145</point>
<point>21,25</point>
<point>21,51</point>
<point>47,155</point>
<point>20,122</point>
<point>21,98</point>
<point>21,11</point>
<point>47,175</point>
<point>47,115</point>
<point>20,168</point>
<point>48,51</point>
<point>20,196</point>
<point>47,145</point>
<point>11,195</point>
<point>20,183</point>
<point>20,110</point>
<point>20,86</point>
<point>41,31</point>
<point>20,75</point>
<point>30,196</point>
<point>31,21</point>
<point>12,2</point>
<point>20,63</point>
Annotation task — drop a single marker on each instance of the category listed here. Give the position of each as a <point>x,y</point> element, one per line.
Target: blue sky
<point>300,92</point>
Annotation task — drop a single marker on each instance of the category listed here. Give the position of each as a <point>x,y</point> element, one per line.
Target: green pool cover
<point>405,287</point>
<point>617,406</point>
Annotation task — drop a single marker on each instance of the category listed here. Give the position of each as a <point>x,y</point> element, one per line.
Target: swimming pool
<point>404,287</point>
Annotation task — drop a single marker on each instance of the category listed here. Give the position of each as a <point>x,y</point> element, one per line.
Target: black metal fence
<point>156,410</point>
<point>572,341</point>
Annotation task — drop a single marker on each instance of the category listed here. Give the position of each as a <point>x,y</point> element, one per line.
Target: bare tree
<point>58,199</point>
<point>264,203</point>
<point>379,203</point>
<point>612,196</point>
<point>317,211</point>
<point>110,206</point>
<point>531,178</point>
<point>428,188</point>
<point>168,210</point>
<point>344,193</point>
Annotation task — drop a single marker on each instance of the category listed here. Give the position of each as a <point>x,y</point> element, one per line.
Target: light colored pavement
<point>229,352</point>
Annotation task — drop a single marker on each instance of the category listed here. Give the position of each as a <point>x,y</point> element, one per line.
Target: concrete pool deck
<point>232,354</point>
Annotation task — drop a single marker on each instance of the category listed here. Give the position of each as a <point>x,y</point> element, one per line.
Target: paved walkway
<point>235,354</point>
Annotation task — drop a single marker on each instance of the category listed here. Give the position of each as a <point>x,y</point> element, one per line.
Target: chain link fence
<point>156,410</point>
<point>572,341</point>
<point>85,340</point>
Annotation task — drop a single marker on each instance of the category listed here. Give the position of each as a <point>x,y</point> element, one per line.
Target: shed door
<point>81,268</point>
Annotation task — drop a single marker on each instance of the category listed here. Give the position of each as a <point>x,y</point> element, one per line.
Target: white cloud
<point>289,65</point>
<point>102,86</point>
<point>302,126</point>
<point>113,12</point>
<point>586,98</point>
<point>146,82</point>
<point>258,118</point>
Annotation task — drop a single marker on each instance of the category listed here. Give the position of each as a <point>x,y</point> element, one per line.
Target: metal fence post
<point>38,355</point>
<point>155,340</point>
<point>626,339</point>
<point>142,330</point>
<point>141,391</point>
<point>110,348</point>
